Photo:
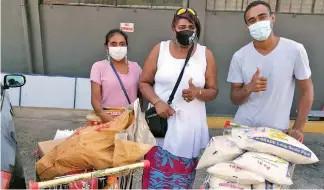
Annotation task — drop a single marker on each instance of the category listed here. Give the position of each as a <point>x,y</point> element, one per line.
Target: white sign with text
<point>127,27</point>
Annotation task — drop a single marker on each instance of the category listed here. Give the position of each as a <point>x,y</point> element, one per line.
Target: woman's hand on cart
<point>105,117</point>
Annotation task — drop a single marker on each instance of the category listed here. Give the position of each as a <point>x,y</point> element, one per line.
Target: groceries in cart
<point>252,158</point>
<point>92,152</point>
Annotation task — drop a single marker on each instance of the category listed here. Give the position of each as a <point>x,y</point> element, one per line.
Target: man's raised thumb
<point>257,73</point>
<point>190,83</point>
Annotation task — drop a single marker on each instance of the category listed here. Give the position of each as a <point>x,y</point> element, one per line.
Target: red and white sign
<point>127,27</point>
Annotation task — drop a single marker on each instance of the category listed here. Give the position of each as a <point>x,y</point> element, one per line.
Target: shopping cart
<point>227,130</point>
<point>111,178</point>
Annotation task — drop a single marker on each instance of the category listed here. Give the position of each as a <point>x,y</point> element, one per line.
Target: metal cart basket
<point>95,179</point>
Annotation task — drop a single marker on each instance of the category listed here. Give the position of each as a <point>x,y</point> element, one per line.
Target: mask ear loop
<point>195,39</point>
<point>127,63</point>
<point>108,56</point>
<point>175,39</point>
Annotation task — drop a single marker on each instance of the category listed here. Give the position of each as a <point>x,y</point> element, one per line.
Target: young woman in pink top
<point>106,90</point>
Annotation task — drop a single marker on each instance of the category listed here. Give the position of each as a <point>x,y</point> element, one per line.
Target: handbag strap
<point>120,82</point>
<point>181,74</point>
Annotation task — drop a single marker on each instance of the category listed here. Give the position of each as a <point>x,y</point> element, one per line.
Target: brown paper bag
<point>88,150</point>
<point>91,147</point>
<point>46,146</point>
<point>122,122</point>
<point>128,152</point>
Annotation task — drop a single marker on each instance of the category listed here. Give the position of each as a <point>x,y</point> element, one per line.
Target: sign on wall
<point>127,27</point>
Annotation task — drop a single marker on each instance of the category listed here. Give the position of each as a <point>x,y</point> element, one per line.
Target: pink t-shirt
<point>112,93</point>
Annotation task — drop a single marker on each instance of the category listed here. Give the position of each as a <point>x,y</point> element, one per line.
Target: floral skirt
<point>168,171</point>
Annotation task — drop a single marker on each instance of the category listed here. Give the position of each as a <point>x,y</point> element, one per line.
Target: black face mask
<point>185,37</point>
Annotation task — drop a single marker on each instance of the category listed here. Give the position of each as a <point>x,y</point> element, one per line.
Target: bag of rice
<point>219,149</point>
<point>274,142</point>
<point>272,168</point>
<point>233,173</point>
<point>266,185</point>
<point>216,183</point>
<point>237,131</point>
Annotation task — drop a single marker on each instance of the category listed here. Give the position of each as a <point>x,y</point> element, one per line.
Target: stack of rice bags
<point>253,158</point>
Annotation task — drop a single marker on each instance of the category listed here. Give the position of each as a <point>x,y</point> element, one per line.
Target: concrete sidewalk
<point>40,124</point>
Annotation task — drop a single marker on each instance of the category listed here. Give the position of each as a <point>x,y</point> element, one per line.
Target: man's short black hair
<point>254,4</point>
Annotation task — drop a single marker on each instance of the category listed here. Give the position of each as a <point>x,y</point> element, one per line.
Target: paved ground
<point>34,125</point>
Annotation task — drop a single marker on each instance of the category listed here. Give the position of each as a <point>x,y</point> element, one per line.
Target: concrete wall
<point>72,39</point>
<point>13,52</point>
<point>72,50</point>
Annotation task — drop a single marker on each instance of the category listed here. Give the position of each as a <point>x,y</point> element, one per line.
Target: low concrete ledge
<point>310,127</point>
<point>79,115</point>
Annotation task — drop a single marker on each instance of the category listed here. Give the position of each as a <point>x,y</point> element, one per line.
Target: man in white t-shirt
<point>263,75</point>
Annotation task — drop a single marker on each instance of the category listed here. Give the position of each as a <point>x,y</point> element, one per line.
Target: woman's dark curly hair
<point>113,32</point>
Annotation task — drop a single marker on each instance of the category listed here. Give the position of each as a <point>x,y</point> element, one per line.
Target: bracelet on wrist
<point>156,101</point>
<point>199,92</point>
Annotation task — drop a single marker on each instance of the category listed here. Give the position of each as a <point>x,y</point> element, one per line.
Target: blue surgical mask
<point>261,30</point>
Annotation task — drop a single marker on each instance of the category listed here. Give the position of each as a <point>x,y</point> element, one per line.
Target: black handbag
<point>159,125</point>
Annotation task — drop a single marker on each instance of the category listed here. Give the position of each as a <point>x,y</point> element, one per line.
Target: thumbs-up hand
<point>257,83</point>
<point>256,74</point>
<point>190,93</point>
<point>190,83</point>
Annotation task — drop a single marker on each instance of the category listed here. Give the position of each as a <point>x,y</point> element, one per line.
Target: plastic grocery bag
<point>139,131</point>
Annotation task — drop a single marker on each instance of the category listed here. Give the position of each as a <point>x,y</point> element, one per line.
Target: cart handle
<point>100,173</point>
